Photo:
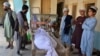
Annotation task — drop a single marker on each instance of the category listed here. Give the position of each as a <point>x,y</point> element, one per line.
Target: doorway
<point>59,13</point>
<point>60,9</point>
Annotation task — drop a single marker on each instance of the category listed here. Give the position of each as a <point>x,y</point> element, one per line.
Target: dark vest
<point>67,24</point>
<point>16,25</point>
<point>11,19</point>
<point>25,19</point>
<point>23,16</point>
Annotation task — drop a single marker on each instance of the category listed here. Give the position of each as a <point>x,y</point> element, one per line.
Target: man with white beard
<point>43,40</point>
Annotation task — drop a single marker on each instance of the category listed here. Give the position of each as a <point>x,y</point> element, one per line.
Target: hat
<point>94,7</point>
<point>83,9</point>
<point>65,9</point>
<point>6,4</point>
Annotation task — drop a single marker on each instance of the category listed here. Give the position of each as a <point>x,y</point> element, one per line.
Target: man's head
<point>82,11</point>
<point>65,11</point>
<point>6,6</point>
<point>25,9</point>
<point>92,11</point>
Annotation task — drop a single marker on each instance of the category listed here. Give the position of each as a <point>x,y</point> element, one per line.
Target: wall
<point>98,15</point>
<point>1,11</point>
<point>28,14</point>
<point>53,6</point>
<point>58,1</point>
<point>35,3</point>
<point>17,5</point>
<point>70,9</point>
<point>46,6</point>
<point>70,4</point>
<point>79,3</point>
<point>1,8</point>
<point>97,33</point>
<point>12,5</point>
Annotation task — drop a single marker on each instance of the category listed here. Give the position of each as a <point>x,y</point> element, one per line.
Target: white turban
<point>65,9</point>
<point>6,4</point>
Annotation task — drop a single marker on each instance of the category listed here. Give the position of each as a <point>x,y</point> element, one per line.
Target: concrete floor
<point>10,52</point>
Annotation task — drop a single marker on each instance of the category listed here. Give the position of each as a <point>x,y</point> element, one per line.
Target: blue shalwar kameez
<point>65,38</point>
<point>88,36</point>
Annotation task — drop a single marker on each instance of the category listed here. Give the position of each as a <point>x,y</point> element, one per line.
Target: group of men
<point>82,37</point>
<point>15,24</point>
<point>80,31</point>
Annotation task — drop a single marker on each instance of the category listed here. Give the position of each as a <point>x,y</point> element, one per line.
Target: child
<point>88,32</point>
<point>76,37</point>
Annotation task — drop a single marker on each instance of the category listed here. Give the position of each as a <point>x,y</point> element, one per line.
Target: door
<point>60,9</point>
<point>59,13</point>
<point>46,6</point>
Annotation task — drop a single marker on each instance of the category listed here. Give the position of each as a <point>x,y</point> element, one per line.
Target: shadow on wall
<point>97,40</point>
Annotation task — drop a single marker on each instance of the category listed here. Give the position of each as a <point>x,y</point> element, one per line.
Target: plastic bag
<point>29,36</point>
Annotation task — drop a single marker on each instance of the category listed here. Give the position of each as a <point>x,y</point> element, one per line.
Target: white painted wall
<point>11,3</point>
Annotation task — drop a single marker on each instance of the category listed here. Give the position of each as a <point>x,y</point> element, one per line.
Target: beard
<point>25,12</point>
<point>5,9</point>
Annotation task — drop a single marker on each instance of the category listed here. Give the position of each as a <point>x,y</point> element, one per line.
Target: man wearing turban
<point>9,22</point>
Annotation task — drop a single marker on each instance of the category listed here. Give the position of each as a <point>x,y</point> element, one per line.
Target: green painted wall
<point>18,7</point>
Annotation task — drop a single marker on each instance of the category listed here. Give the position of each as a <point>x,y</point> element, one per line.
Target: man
<point>77,34</point>
<point>9,22</point>
<point>88,32</point>
<point>65,28</point>
<point>23,27</point>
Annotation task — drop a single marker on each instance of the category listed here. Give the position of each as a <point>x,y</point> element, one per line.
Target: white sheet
<point>43,40</point>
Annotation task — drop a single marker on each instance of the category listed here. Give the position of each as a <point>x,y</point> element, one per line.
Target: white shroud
<point>44,41</point>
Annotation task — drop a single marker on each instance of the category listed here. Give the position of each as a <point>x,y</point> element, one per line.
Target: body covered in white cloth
<point>43,40</point>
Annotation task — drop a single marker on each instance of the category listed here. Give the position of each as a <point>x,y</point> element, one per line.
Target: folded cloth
<point>43,40</point>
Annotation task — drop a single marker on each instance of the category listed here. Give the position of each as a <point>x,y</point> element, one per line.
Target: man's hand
<point>80,23</point>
